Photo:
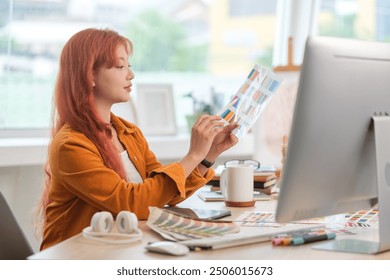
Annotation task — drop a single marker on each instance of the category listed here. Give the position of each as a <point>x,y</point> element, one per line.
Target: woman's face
<point>113,85</point>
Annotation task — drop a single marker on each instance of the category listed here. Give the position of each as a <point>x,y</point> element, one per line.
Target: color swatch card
<point>251,99</point>
<point>361,219</point>
<point>257,219</point>
<point>175,227</point>
<point>267,219</point>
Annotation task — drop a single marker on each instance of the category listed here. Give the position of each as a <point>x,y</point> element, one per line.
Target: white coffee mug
<point>236,183</point>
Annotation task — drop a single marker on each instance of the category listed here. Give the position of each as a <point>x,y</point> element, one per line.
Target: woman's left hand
<point>223,141</point>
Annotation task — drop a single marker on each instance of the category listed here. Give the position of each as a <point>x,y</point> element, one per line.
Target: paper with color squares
<point>362,218</point>
<point>251,99</point>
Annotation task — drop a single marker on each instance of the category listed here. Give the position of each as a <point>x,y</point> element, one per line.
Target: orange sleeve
<point>78,166</point>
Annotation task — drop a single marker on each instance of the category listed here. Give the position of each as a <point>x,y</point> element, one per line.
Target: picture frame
<point>156,109</point>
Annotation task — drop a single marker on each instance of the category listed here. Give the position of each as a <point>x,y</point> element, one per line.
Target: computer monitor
<point>338,157</point>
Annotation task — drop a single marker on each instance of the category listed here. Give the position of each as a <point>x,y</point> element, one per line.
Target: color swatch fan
<point>251,99</point>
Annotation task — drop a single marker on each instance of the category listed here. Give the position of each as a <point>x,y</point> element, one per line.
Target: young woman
<point>100,162</point>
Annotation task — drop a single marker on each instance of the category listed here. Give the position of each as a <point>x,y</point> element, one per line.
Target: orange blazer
<point>82,185</point>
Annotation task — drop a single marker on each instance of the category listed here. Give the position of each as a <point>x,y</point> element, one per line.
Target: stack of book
<point>218,196</point>
<point>265,177</point>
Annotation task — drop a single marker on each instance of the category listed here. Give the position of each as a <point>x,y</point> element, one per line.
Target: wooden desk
<point>79,247</point>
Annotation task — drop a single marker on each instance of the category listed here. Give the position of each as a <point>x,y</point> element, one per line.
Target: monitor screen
<point>331,162</point>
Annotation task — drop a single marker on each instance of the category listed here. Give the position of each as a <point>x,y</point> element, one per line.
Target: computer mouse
<point>168,247</point>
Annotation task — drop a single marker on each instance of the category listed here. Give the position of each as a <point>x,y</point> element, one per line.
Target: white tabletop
<point>79,247</point>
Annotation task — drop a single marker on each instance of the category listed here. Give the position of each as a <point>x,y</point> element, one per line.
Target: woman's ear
<point>93,84</point>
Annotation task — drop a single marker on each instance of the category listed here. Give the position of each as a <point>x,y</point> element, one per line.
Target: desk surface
<point>79,247</point>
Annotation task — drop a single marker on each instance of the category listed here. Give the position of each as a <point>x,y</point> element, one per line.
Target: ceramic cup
<point>236,183</point>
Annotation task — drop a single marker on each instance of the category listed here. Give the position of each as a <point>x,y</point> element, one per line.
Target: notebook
<point>13,243</point>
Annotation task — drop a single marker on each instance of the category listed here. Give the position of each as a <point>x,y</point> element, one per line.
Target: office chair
<point>13,243</point>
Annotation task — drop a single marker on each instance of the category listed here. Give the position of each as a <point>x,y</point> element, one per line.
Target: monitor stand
<point>382,151</point>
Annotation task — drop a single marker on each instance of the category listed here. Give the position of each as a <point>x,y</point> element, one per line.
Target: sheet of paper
<point>362,218</point>
<point>267,219</point>
<point>257,219</point>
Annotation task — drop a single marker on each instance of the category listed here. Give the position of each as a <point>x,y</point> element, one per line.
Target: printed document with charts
<point>251,99</point>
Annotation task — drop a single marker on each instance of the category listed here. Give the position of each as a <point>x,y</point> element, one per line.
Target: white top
<point>131,172</point>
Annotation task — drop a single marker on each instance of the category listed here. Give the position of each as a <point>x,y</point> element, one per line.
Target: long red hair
<point>82,56</point>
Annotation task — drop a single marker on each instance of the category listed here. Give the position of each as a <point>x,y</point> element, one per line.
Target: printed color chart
<point>251,99</point>
<point>362,218</point>
<point>174,227</point>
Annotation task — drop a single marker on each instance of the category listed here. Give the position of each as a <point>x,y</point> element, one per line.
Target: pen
<point>312,238</point>
<point>301,237</point>
<point>286,241</point>
<point>277,241</point>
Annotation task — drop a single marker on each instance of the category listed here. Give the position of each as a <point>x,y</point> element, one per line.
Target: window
<point>251,8</point>
<point>361,19</point>
<point>199,46</point>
